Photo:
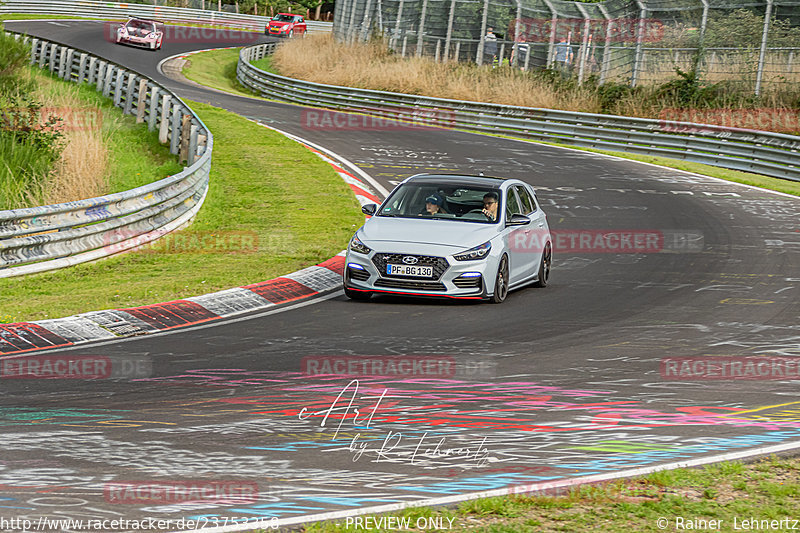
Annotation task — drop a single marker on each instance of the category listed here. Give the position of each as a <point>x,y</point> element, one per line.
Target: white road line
<point>517,489</point>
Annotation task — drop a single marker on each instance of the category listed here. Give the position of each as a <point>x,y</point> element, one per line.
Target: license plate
<point>410,270</point>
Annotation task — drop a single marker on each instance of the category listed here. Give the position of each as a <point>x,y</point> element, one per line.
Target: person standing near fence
<point>489,46</point>
<point>563,56</point>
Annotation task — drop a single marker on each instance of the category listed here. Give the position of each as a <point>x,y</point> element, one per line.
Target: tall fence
<point>761,152</point>
<point>55,236</point>
<point>753,44</point>
<point>120,10</point>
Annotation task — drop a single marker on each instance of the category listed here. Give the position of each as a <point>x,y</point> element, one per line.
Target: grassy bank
<point>371,65</point>
<point>100,150</point>
<point>281,196</point>
<point>674,500</point>
<point>218,69</point>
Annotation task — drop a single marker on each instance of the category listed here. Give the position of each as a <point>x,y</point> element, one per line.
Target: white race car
<point>143,33</point>
<point>466,237</point>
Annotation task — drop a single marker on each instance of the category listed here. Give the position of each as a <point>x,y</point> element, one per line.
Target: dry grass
<point>81,170</point>
<point>320,59</point>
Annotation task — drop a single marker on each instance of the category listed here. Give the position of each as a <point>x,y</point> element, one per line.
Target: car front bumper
<point>459,279</point>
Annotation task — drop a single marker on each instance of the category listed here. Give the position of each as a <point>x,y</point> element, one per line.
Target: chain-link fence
<point>753,44</point>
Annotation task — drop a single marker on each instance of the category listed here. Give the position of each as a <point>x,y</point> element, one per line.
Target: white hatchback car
<point>453,236</point>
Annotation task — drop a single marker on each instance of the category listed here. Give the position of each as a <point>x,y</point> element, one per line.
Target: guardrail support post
<point>34,50</point>
<point>186,131</point>
<point>140,105</point>
<point>152,116</point>
<point>193,155</point>
<point>108,74</point>
<point>52,57</point>
<point>175,130</point>
<point>163,131</point>
<point>129,93</point>
<point>62,62</point>
<point>118,87</point>
<point>68,65</point>
<point>82,69</point>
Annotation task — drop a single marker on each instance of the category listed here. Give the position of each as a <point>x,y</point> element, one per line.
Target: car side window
<point>512,204</point>
<point>528,205</point>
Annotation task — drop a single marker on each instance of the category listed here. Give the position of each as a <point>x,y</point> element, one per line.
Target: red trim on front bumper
<point>419,294</point>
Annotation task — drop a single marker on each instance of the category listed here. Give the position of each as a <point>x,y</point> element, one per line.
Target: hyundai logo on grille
<point>410,260</point>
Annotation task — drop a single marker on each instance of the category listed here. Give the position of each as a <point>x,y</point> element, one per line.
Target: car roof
<point>139,19</point>
<point>458,179</point>
<point>290,14</point>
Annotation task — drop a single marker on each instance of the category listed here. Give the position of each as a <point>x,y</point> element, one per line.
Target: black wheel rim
<point>546,261</point>
<point>502,279</point>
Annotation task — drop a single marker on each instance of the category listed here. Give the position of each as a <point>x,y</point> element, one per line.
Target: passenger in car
<point>433,205</point>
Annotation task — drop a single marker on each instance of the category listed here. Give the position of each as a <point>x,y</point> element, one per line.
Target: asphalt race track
<point>556,383</point>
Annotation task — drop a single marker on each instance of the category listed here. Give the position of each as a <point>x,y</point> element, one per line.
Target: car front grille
<point>467,283</point>
<point>439,264</point>
<point>410,284</point>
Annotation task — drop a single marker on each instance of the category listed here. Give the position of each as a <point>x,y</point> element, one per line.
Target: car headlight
<point>479,252</point>
<point>357,246</point>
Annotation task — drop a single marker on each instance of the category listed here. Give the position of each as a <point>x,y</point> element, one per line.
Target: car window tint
<point>528,205</point>
<point>512,204</point>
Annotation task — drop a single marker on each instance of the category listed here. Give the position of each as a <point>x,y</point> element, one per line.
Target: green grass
<point>719,492</point>
<point>265,63</point>
<point>298,208</point>
<point>217,69</point>
<point>135,156</point>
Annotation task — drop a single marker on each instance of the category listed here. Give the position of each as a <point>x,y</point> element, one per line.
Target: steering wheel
<point>478,211</point>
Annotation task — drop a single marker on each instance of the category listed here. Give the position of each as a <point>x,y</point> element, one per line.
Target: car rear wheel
<point>544,267</point>
<point>501,282</point>
<point>356,295</point>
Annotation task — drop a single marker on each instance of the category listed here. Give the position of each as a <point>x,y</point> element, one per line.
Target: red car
<point>286,25</point>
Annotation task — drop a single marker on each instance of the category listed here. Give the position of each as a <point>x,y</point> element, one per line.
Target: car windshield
<point>447,201</point>
<point>140,26</point>
<point>283,18</point>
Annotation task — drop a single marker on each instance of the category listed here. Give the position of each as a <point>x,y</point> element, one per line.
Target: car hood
<point>449,233</point>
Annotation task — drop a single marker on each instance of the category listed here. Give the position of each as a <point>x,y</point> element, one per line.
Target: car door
<point>530,241</point>
<point>301,26</point>
<point>517,261</point>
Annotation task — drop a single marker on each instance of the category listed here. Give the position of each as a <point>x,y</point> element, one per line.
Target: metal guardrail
<point>44,238</point>
<point>120,10</point>
<point>760,152</point>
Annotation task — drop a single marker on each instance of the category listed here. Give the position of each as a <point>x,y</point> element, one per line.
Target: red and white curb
<point>114,323</point>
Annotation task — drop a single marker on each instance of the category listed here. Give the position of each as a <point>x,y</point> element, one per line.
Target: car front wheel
<point>501,282</point>
<point>291,34</point>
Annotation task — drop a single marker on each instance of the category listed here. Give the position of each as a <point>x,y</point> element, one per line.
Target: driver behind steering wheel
<point>490,200</point>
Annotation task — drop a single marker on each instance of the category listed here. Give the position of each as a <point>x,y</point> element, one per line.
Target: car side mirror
<point>369,209</point>
<point>518,220</point>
